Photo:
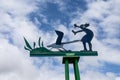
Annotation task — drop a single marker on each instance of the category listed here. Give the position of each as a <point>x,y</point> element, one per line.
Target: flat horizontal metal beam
<point>65,54</point>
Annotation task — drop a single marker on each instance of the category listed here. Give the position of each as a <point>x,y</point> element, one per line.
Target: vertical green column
<point>76,70</point>
<point>66,70</point>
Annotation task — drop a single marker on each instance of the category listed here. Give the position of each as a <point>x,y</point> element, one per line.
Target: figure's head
<point>86,24</point>
<point>83,26</point>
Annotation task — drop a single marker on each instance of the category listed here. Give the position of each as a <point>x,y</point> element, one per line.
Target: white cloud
<point>118,78</point>
<point>15,62</point>
<point>17,8</point>
<point>107,13</point>
<point>98,76</point>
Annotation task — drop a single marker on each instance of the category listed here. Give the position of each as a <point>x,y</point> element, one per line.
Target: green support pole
<point>76,70</point>
<point>74,61</point>
<point>66,70</point>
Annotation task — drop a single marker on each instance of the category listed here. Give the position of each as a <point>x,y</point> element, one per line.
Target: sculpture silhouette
<point>87,38</point>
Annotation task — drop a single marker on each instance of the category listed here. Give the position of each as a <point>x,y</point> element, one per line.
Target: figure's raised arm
<point>75,32</point>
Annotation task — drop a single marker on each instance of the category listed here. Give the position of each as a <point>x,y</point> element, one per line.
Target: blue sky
<point>53,12</point>
<point>35,18</point>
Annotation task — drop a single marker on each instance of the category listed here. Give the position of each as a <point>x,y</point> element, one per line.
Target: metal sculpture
<point>69,57</point>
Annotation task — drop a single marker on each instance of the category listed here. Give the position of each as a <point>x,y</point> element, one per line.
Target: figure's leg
<point>84,45</point>
<point>90,46</point>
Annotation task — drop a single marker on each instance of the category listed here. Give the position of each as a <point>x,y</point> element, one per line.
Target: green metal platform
<point>65,54</point>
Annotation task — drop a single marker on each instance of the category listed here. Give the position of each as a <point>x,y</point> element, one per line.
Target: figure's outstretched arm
<point>75,32</point>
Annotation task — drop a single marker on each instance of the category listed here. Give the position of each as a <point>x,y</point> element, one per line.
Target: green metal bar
<point>66,54</point>
<point>76,70</point>
<point>66,70</point>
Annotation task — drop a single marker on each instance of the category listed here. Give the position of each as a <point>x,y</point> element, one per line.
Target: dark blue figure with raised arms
<point>87,38</point>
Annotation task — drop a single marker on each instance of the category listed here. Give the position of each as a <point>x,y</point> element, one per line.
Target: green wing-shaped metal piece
<point>39,41</point>
<point>42,44</point>
<point>27,44</point>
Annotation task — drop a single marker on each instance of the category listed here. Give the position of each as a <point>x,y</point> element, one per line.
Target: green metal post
<point>66,70</point>
<point>76,70</point>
